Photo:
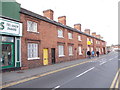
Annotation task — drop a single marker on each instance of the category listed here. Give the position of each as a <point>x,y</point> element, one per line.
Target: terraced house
<point>46,41</point>
<point>34,40</point>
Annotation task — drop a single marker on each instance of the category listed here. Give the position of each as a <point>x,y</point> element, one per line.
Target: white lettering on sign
<point>10,27</point>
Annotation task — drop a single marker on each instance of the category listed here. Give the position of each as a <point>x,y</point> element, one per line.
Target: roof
<point>30,13</point>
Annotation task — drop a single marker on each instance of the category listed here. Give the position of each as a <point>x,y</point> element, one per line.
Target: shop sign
<point>88,42</point>
<point>9,27</point>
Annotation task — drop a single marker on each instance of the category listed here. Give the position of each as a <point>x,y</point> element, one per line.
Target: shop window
<point>61,50</point>
<point>70,50</point>
<point>60,33</point>
<point>32,51</point>
<point>31,26</point>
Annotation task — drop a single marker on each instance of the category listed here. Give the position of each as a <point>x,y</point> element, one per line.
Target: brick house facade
<point>54,42</point>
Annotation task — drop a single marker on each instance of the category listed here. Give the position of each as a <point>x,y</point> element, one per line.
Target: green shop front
<point>10,34</point>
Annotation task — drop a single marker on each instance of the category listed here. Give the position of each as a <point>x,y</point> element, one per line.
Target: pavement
<point>13,76</point>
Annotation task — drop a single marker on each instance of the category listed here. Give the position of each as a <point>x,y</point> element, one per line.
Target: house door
<point>7,55</point>
<point>53,55</point>
<point>45,56</point>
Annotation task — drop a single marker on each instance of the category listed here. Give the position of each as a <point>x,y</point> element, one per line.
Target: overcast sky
<point>101,16</point>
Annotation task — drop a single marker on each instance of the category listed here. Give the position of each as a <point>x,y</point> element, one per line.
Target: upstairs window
<point>79,38</point>
<point>60,33</point>
<point>31,26</point>
<point>70,36</point>
<point>91,40</point>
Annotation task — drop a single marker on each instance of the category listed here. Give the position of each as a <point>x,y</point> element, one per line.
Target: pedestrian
<point>88,53</point>
<point>97,53</point>
<point>93,53</point>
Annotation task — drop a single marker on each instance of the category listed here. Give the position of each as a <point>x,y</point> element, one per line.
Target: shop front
<point>11,32</point>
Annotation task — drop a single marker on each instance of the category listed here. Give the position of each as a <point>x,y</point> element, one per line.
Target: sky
<point>100,16</point>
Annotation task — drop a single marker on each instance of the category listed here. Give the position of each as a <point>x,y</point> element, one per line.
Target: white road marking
<point>56,87</point>
<point>85,72</point>
<point>102,63</point>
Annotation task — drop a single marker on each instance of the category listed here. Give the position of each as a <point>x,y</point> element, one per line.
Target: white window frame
<point>80,50</point>
<point>70,36</point>
<point>61,50</point>
<point>32,26</point>
<point>60,34</point>
<point>70,50</point>
<point>91,49</point>
<point>33,51</point>
<point>88,39</point>
<point>91,40</point>
<point>79,38</point>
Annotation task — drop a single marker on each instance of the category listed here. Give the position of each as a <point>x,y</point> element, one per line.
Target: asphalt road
<point>94,74</point>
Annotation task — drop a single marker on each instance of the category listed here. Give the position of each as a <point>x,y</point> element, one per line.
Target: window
<point>88,48</point>
<point>61,50</point>
<point>96,42</point>
<point>32,51</point>
<point>70,36</point>
<point>70,50</point>
<point>60,33</point>
<point>80,50</point>
<point>31,26</point>
<point>91,49</point>
<point>87,39</point>
<point>79,38</point>
<point>91,40</point>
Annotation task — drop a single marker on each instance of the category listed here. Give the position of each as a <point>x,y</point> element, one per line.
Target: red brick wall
<point>48,38</point>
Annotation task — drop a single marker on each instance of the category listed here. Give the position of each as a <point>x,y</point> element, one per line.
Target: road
<point>99,73</point>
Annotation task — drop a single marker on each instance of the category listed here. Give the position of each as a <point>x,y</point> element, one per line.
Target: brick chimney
<point>62,19</point>
<point>98,36</point>
<point>48,13</point>
<point>94,34</point>
<point>77,26</point>
<point>87,31</point>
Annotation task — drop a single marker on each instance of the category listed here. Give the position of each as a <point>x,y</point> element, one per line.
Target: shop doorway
<point>7,55</point>
<point>53,55</point>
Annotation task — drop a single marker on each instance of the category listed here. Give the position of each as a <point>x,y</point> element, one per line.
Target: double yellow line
<point>116,81</point>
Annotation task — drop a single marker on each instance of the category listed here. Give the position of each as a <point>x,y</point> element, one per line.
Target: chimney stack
<point>94,34</point>
<point>48,13</point>
<point>77,26</point>
<point>98,36</point>
<point>62,19</point>
<point>87,31</point>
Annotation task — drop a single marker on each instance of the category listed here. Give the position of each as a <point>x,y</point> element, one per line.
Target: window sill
<point>71,55</point>
<point>34,32</point>
<point>60,37</point>
<point>61,55</point>
<point>34,58</point>
<point>81,54</point>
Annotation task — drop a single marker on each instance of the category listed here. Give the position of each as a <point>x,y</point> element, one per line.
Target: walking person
<point>88,53</point>
<point>93,53</point>
<point>97,53</point>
